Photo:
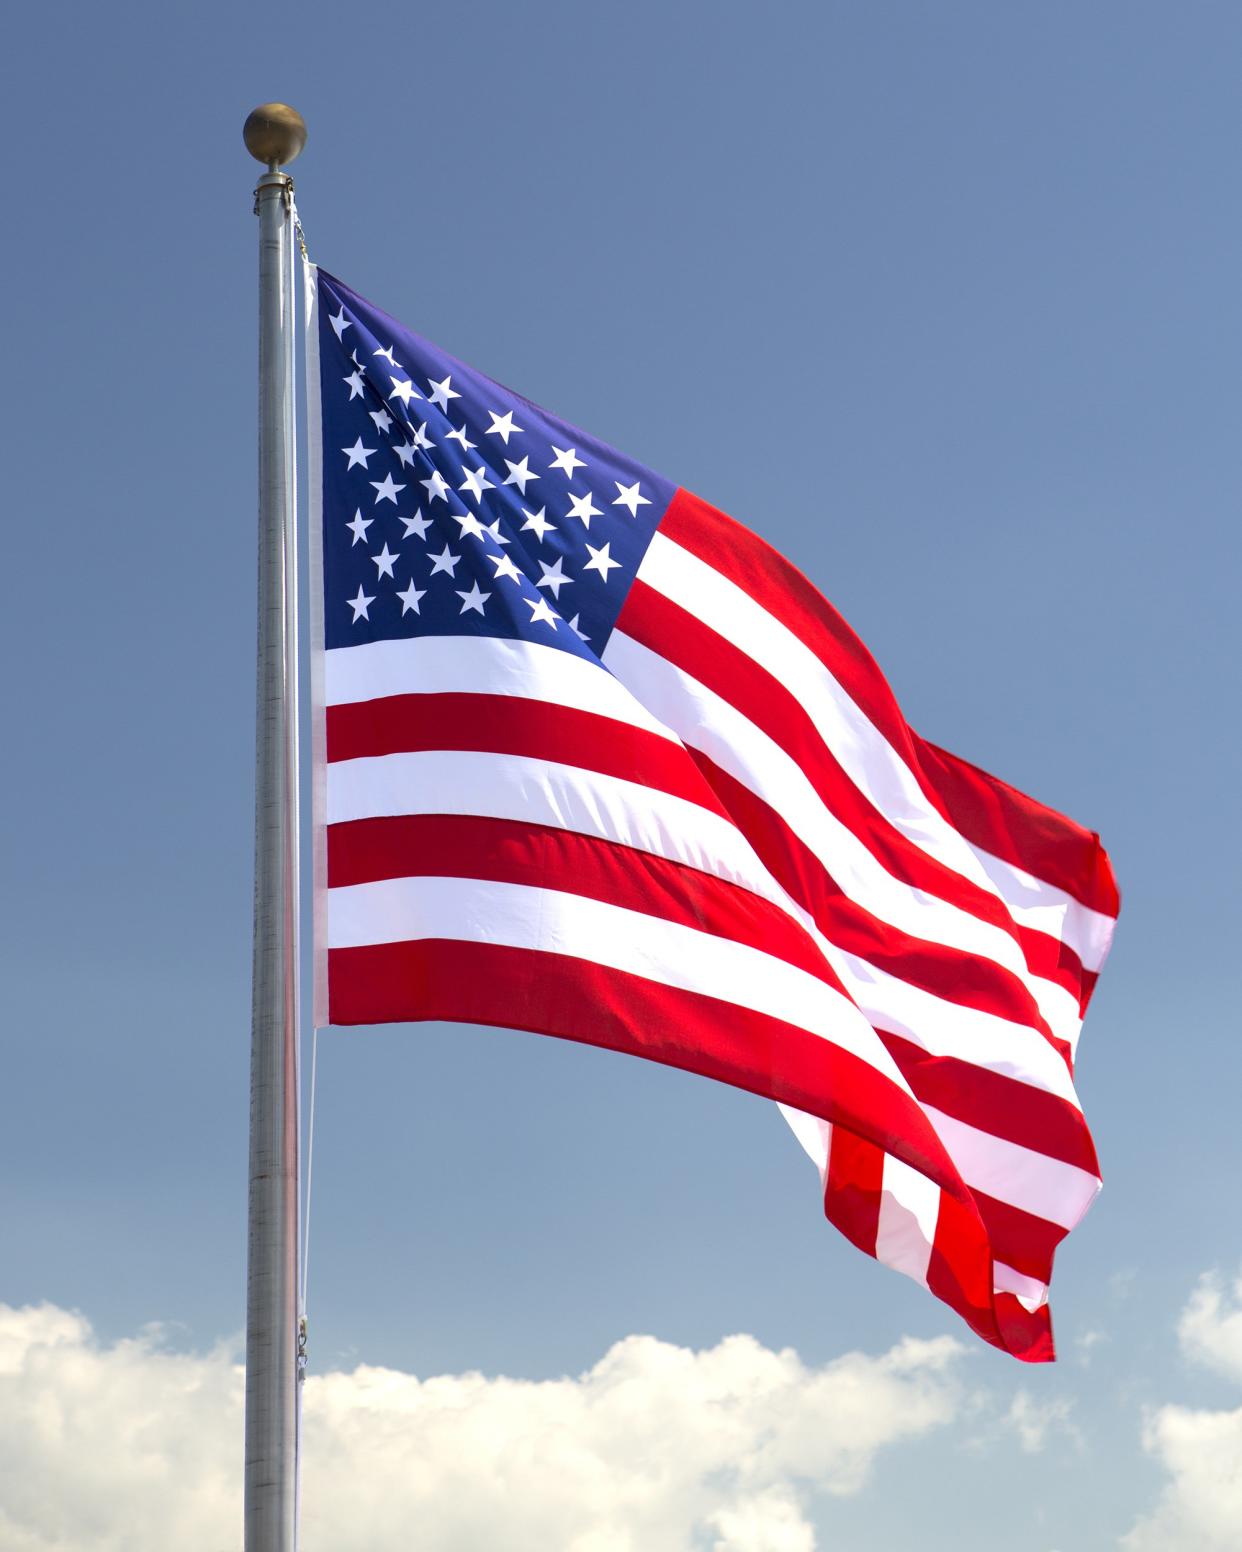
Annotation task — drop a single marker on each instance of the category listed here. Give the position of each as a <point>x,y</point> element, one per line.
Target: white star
<point>416,526</point>
<point>357,454</point>
<point>406,451</point>
<point>494,530</point>
<point>540,610</point>
<point>474,599</point>
<point>444,562</point>
<point>629,497</point>
<point>355,386</point>
<point>470,525</point>
<point>538,522</point>
<point>421,439</point>
<point>340,323</point>
<point>388,356</point>
<point>476,482</point>
<point>360,605</point>
<point>436,487</point>
<point>573,625</point>
<point>583,507</point>
<point>386,489</point>
<point>403,391</point>
<point>567,459</point>
<point>441,393</point>
<point>519,474</point>
<point>359,526</point>
<point>502,426</point>
<point>505,567</point>
<point>382,419</point>
<point>601,561</point>
<point>553,577</point>
<point>384,562</point>
<point>409,599</point>
<point>460,436</point>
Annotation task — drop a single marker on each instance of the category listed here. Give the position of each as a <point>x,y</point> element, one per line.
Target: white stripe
<point>1047,909</point>
<point>401,910</point>
<point>1029,1291</point>
<point>527,790</point>
<point>465,665</point>
<point>1044,1187</point>
<point>814,1133</point>
<point>866,756</point>
<point>949,1029</point>
<point>706,721</point>
<point>906,1228</point>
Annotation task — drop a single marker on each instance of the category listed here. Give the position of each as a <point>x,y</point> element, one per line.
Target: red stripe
<point>999,819</point>
<point>1020,1239</point>
<point>1090,978</point>
<point>1002,1106</point>
<point>675,634</point>
<point>962,1277</point>
<point>540,856</point>
<point>505,724</point>
<point>1027,1334</point>
<point>948,973</point>
<point>1035,838</point>
<point>853,1187</point>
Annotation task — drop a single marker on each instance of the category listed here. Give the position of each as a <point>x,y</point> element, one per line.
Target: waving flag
<point>597,762</point>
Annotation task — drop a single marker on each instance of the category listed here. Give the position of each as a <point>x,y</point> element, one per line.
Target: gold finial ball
<point>274,133</point>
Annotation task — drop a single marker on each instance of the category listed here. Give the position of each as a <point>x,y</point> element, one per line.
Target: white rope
<point>291,604</point>
<point>310,1162</point>
<point>292,583</point>
<point>297,250</point>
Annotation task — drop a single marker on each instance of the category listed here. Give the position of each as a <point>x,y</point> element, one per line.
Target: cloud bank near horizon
<point>656,1448</point>
<point>131,1446</point>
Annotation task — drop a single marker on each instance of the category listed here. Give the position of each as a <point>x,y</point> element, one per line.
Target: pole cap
<point>274,133</point>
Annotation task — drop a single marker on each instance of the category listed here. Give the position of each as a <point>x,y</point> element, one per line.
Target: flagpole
<point>274,134</point>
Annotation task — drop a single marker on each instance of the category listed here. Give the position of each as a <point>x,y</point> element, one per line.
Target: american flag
<point>595,761</point>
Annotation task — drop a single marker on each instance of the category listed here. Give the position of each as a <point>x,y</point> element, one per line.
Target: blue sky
<point>944,302</point>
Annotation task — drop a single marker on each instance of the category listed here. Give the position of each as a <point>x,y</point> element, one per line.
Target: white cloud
<point>1085,1342</point>
<point>1033,1421</point>
<point>1201,1505</point>
<point>771,1521</point>
<point>1210,1329</point>
<point>652,1449</point>
<point>656,1448</point>
<point>1123,1282</point>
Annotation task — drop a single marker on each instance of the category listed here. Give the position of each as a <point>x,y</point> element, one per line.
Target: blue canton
<point>454,507</point>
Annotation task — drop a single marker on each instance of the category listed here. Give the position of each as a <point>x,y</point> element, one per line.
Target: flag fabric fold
<point>593,760</point>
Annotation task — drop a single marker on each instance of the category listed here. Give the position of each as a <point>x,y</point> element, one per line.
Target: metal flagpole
<point>274,134</point>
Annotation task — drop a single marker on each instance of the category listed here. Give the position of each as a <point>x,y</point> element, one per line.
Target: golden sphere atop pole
<point>274,134</point>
